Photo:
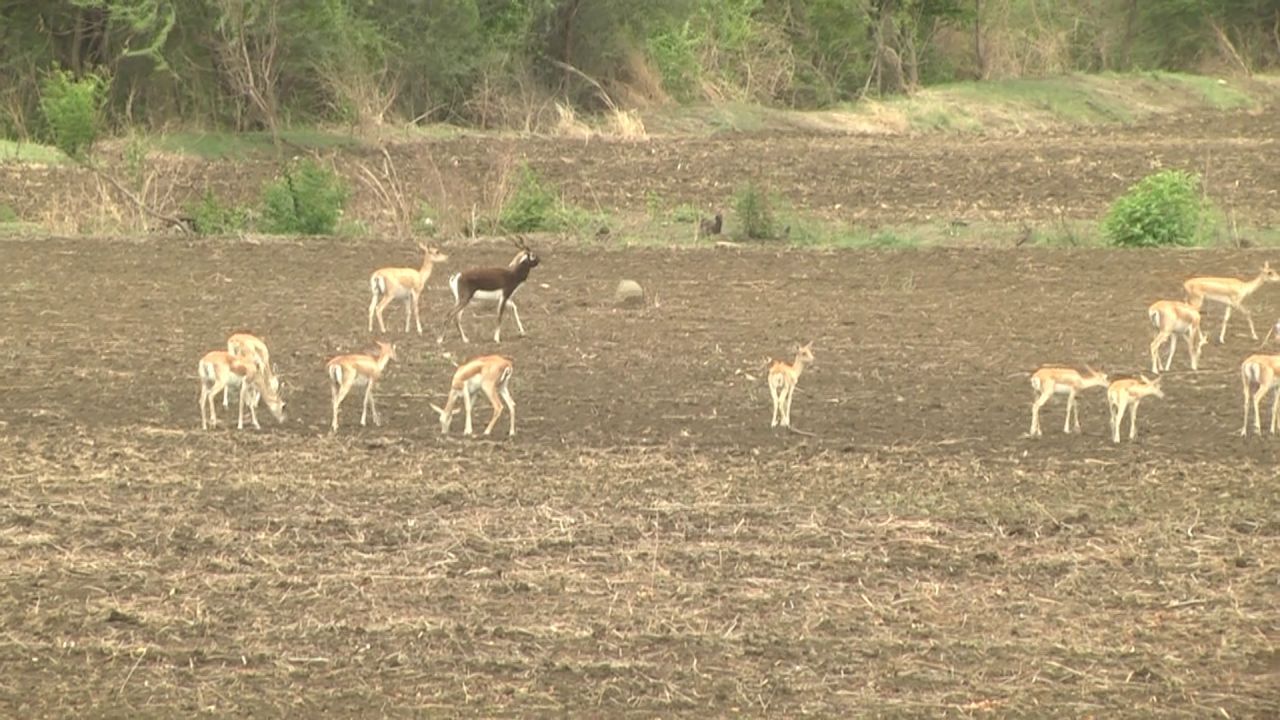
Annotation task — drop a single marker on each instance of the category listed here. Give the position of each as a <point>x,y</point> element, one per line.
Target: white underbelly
<point>486,297</point>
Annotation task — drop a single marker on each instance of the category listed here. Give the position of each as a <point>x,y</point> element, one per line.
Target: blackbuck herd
<point>245,366</point>
<point>1171,318</point>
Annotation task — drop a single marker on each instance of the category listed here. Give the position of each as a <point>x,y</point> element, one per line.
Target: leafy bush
<point>675,52</point>
<point>211,217</point>
<point>535,205</point>
<point>307,200</point>
<point>70,108</point>
<point>1162,209</point>
<point>530,206</point>
<point>754,210</point>
<point>686,213</point>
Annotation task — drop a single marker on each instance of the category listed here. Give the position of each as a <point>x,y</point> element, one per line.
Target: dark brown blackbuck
<point>499,281</point>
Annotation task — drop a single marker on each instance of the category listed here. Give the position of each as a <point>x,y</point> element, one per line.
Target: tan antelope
<point>347,371</point>
<point>220,370</point>
<point>1050,380</point>
<point>1171,319</point>
<point>783,377</point>
<point>1230,292</point>
<point>489,374</point>
<point>1257,378</point>
<point>250,347</point>
<point>1127,394</point>
<point>396,283</point>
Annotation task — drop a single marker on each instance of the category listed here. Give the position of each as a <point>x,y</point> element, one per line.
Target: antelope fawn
<point>490,374</point>
<point>783,377</point>
<point>1053,380</point>
<point>347,371</point>
<point>1257,378</point>
<point>1127,394</point>
<point>1171,319</point>
<point>220,370</point>
<point>250,347</point>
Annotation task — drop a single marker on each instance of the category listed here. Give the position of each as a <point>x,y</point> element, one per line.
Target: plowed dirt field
<point>646,546</point>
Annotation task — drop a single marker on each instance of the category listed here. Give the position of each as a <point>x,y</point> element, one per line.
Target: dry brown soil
<point>865,180</point>
<point>647,546</point>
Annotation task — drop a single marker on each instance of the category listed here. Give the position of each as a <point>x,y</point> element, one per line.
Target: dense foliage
<point>1162,209</point>
<point>70,108</point>
<point>258,64</point>
<point>307,199</point>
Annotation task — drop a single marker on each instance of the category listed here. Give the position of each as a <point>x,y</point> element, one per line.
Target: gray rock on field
<point>629,294</point>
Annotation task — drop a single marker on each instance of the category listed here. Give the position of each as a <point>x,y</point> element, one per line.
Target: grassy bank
<point>996,106</point>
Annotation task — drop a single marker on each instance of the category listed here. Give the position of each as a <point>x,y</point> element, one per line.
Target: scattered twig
<point>136,663</point>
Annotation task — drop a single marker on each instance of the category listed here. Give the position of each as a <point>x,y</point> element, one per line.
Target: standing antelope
<point>348,371</point>
<point>1230,292</point>
<point>1257,378</point>
<point>1171,319</point>
<point>219,370</point>
<point>490,374</point>
<point>1052,380</point>
<point>490,297</point>
<point>1127,394</point>
<point>501,281</point>
<point>392,283</point>
<point>783,377</point>
<point>251,348</point>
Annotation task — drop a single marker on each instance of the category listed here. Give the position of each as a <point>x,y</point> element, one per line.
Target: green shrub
<point>1162,209</point>
<point>211,217</point>
<point>754,209</point>
<point>686,213</point>
<point>535,205</point>
<point>675,52</point>
<point>531,206</point>
<point>306,200</point>
<point>70,108</point>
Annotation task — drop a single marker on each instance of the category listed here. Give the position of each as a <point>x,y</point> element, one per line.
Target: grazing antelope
<point>251,348</point>
<point>1127,394</point>
<point>219,370</point>
<point>490,374</point>
<point>1171,319</point>
<point>783,377</point>
<point>1230,292</point>
<point>1257,378</point>
<point>392,283</point>
<point>490,297</point>
<point>1052,380</point>
<point>503,282</point>
<point>348,371</point>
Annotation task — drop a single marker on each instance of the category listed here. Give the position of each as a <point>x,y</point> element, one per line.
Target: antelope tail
<point>1252,373</point>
